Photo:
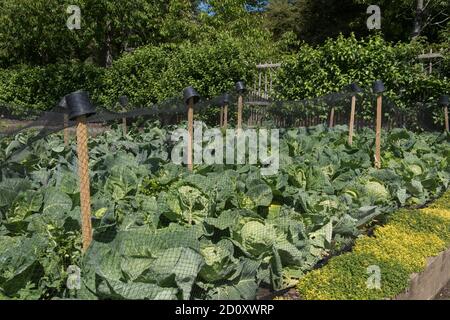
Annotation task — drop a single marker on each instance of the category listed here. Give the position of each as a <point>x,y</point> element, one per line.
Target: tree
<point>315,20</point>
<point>235,16</point>
<point>35,32</point>
<point>406,19</point>
<point>282,16</point>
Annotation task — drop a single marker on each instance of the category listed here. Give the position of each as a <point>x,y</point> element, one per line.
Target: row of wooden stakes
<point>80,107</point>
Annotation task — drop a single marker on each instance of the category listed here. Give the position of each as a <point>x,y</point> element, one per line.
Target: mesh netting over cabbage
<point>223,231</point>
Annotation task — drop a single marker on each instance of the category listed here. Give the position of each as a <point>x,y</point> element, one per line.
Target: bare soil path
<point>444,294</point>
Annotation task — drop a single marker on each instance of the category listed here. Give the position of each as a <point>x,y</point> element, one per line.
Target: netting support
<point>83,173</point>
<point>225,116</point>
<point>124,125</point>
<point>66,129</point>
<point>332,118</point>
<point>447,126</point>
<point>190,134</point>
<point>240,107</point>
<point>378,132</point>
<point>351,124</point>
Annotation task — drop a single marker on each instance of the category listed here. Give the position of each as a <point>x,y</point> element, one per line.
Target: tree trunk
<point>418,20</point>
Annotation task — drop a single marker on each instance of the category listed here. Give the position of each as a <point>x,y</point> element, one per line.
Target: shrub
<point>151,74</point>
<point>25,89</point>
<point>316,71</point>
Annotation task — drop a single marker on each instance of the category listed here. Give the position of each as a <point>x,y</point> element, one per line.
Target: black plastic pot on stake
<point>123,101</point>
<point>190,93</point>
<point>378,89</point>
<point>80,107</point>
<point>226,98</point>
<point>240,87</point>
<point>191,97</point>
<point>443,100</point>
<point>355,88</point>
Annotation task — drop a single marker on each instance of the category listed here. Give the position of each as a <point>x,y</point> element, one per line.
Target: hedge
<point>317,70</point>
<point>154,73</point>
<point>25,89</point>
<point>399,248</point>
<point>147,75</point>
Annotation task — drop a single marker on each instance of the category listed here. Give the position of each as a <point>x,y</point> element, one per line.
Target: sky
<point>205,7</point>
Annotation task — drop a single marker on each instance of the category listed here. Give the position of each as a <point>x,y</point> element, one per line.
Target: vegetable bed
<point>221,232</point>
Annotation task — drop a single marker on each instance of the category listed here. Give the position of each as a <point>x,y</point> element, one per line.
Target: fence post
<point>443,101</point>
<point>123,101</point>
<point>378,89</point>
<point>240,89</point>
<point>355,89</point>
<point>80,107</point>
<point>191,97</point>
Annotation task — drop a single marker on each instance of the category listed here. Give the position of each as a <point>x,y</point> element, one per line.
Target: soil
<point>444,294</point>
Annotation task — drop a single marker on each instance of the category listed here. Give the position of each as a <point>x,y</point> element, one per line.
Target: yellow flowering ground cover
<point>395,251</point>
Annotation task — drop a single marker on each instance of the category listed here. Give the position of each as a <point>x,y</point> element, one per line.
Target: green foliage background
<point>151,50</point>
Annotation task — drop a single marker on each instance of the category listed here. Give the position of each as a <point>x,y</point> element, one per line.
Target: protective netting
<point>331,109</point>
<point>226,230</point>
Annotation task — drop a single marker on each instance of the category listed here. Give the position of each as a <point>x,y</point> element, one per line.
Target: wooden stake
<point>190,134</point>
<point>430,67</point>
<point>260,83</point>
<point>266,94</point>
<point>66,129</point>
<point>83,173</point>
<point>378,132</point>
<point>124,125</point>
<point>351,125</point>
<point>221,117</point>
<point>332,118</point>
<point>240,107</point>
<point>225,116</point>
<point>447,128</point>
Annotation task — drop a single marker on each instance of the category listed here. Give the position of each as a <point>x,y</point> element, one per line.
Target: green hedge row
<point>25,89</point>
<point>154,73</point>
<point>315,71</point>
<point>398,249</point>
<point>148,75</point>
